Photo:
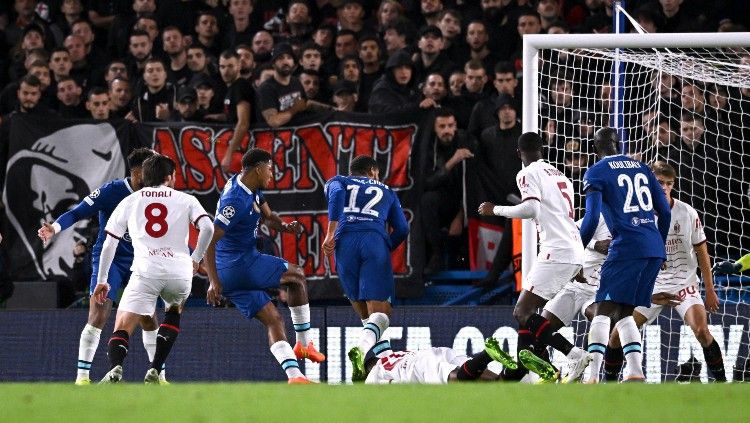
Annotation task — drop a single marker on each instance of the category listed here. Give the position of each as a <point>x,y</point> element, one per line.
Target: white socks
<point>301,321</point>
<point>630,339</point>
<point>598,339</point>
<point>285,356</point>
<point>86,349</point>
<point>372,331</point>
<point>149,344</point>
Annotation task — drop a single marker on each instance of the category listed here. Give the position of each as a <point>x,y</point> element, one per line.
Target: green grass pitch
<point>262,402</point>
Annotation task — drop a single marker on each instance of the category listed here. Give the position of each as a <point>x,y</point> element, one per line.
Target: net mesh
<point>685,106</point>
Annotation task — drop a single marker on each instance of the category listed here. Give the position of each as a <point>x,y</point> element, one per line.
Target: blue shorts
<point>363,262</point>
<point>245,284</point>
<point>119,273</point>
<point>629,281</point>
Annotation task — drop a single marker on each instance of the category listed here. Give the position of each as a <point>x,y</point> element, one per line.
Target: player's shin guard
<point>301,321</point>
<point>372,331</point>
<point>612,363</point>
<point>473,367</point>
<point>714,361</point>
<point>149,343</point>
<point>117,348</point>
<point>598,339</point>
<point>630,339</point>
<point>166,337</point>
<point>539,326</point>
<point>284,354</point>
<point>87,349</point>
<point>382,348</point>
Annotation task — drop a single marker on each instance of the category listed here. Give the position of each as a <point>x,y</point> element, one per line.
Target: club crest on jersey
<point>95,193</point>
<point>635,221</point>
<point>228,212</point>
<point>677,227</point>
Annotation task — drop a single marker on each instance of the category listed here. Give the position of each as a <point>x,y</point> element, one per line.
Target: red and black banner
<point>305,157</point>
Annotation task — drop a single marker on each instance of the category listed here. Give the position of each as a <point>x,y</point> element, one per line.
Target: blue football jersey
<point>238,214</point>
<point>359,204</point>
<point>103,201</point>
<point>630,194</point>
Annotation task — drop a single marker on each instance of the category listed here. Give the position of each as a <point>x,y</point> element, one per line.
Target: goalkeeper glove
<point>727,267</point>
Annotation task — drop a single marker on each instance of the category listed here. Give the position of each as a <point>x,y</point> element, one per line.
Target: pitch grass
<point>262,402</point>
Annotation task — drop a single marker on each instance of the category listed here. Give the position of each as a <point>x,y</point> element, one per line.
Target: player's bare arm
<point>329,243</point>
<point>240,129</point>
<point>666,299</point>
<point>46,232</point>
<point>704,264</point>
<point>485,209</point>
<point>213,295</point>
<point>274,222</point>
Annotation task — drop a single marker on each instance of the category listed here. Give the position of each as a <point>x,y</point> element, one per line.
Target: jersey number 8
<point>639,186</point>
<point>156,220</point>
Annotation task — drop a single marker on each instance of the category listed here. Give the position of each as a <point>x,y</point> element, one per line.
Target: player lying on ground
<point>434,365</point>
<point>686,251</point>
<point>547,198</point>
<point>359,209</point>
<point>238,271</point>
<point>626,192</point>
<point>157,218</point>
<point>102,201</point>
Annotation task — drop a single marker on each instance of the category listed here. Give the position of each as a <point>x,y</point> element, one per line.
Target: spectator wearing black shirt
<point>310,81</point>
<point>186,108</point>
<point>180,13</point>
<point>69,93</point>
<point>207,33</point>
<point>430,56</point>
<point>311,57</point>
<point>396,37</point>
<point>450,26</point>
<point>262,45</point>
<point>156,99</point>
<point>140,49</point>
<point>440,204</point>
<point>209,100</point>
<point>297,21</point>
<point>174,44</point>
<point>59,63</point>
<point>120,31</point>
<point>95,56</point>
<point>434,87</point>
<point>351,15</point>
<point>370,53</point>
<point>247,60</point>
<point>396,91</point>
<point>243,24</point>
<point>345,96</point>
<point>116,69</point>
<point>477,37</point>
<point>197,60</point>
<point>238,102</point>
<point>497,148</point>
<point>282,97</point>
<point>505,83</point>
<point>97,103</point>
<point>120,95</point>
<point>472,93</point>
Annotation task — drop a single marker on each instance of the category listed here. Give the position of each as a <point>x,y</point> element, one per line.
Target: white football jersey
<point>685,232</point>
<point>559,238</point>
<point>158,219</point>
<point>428,366</point>
<point>592,259</point>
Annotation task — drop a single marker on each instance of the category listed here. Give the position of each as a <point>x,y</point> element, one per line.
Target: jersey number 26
<point>638,185</point>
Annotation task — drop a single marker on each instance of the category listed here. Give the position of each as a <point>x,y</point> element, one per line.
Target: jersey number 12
<point>367,209</point>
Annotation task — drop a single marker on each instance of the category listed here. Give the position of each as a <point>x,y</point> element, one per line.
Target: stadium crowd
<point>181,60</point>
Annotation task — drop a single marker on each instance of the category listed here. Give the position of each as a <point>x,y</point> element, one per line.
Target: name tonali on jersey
<point>156,194</point>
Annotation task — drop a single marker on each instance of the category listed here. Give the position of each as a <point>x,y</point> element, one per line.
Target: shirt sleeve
<point>336,197</point>
<point>592,181</point>
<point>698,235</point>
<point>267,98</point>
<point>228,214</point>
<point>528,185</point>
<point>117,224</point>
<point>398,222</point>
<point>88,207</point>
<point>197,212</point>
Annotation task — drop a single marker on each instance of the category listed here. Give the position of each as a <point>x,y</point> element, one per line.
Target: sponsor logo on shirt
<point>228,212</point>
<point>635,221</point>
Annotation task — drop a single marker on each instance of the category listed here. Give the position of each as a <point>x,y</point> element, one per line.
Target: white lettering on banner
<point>470,340</point>
<point>468,334</point>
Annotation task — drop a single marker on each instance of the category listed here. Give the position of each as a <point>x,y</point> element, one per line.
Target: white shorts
<point>574,297</point>
<point>140,295</point>
<point>690,296</point>
<point>547,279</point>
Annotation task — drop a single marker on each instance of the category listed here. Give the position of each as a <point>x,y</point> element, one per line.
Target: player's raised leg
<point>299,306</point>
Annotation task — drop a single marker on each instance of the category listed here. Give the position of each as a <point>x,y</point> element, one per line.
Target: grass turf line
<point>459,402</point>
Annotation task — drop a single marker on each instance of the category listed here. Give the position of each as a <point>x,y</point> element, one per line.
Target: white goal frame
<point>533,43</point>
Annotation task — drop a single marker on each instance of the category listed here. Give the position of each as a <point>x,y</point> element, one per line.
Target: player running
<point>686,250</point>
<point>359,207</point>
<point>157,218</point>
<point>434,365</point>
<point>238,271</point>
<point>102,201</point>
<point>547,197</point>
<point>626,192</point>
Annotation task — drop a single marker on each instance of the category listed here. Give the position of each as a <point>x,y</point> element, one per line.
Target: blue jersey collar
<point>243,186</point>
<point>127,185</point>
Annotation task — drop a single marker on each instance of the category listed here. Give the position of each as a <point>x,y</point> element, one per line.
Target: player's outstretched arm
<point>591,218</point>
<point>528,209</point>
<point>213,295</point>
<point>83,210</point>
